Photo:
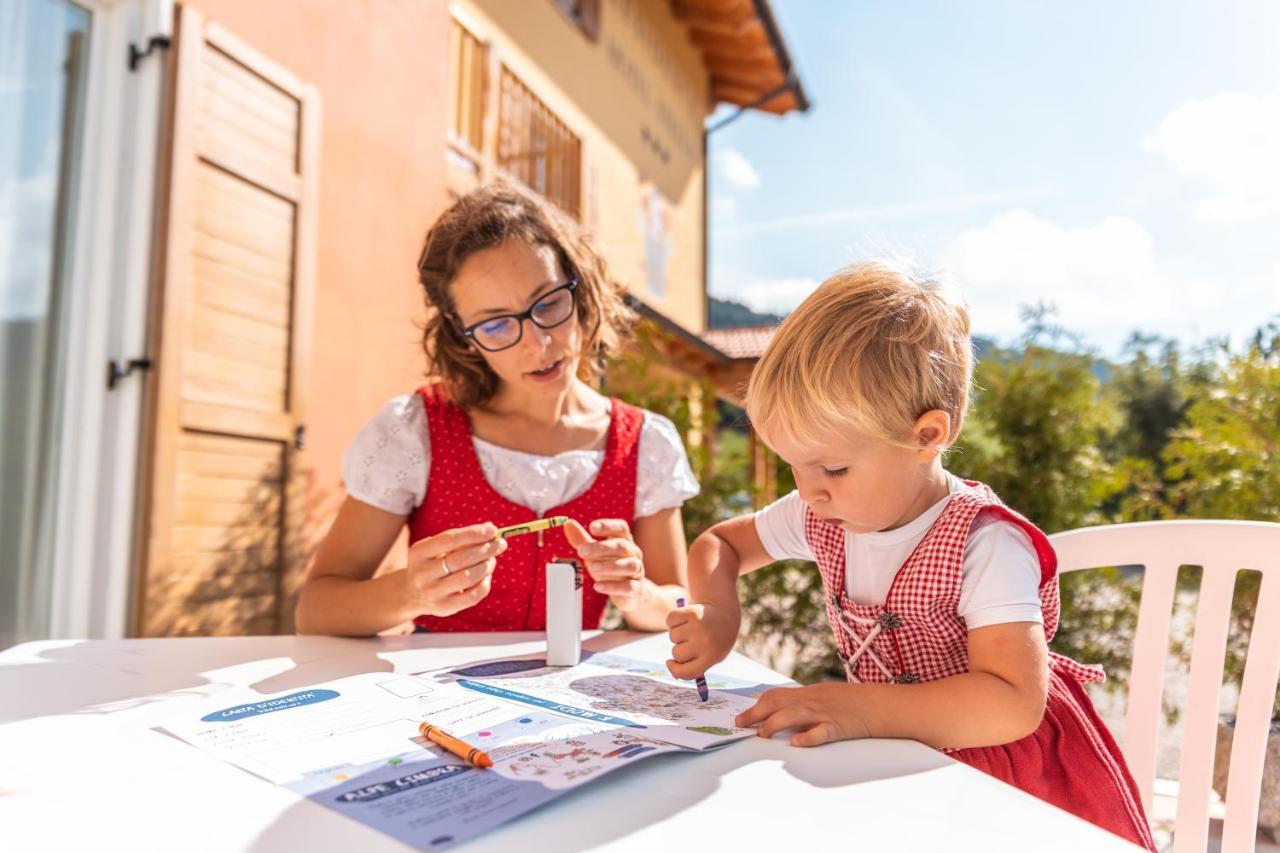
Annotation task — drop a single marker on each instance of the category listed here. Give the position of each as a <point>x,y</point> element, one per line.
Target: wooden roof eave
<point>746,58</point>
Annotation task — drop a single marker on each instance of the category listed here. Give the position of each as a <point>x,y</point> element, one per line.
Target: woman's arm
<point>1001,699</point>
<point>445,573</point>
<point>338,595</point>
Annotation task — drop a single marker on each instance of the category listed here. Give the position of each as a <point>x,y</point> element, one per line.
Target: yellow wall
<point>636,96</point>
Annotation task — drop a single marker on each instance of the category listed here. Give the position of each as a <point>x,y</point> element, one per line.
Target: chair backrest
<point>1222,549</point>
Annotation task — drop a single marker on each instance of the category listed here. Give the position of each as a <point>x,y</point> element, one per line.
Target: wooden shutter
<point>223,494</point>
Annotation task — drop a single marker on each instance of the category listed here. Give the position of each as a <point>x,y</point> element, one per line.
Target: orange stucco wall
<point>381,69</point>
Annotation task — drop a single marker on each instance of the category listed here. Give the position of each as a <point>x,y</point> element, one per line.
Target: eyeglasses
<point>505,330</point>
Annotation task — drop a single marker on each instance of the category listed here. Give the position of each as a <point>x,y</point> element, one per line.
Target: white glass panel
<point>43,47</point>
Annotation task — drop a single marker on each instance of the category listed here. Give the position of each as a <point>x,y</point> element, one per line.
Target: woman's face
<point>509,279</point>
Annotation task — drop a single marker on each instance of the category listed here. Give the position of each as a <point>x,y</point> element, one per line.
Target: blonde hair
<point>871,350</point>
<point>485,218</point>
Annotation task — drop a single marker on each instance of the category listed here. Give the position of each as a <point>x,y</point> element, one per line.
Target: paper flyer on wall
<point>352,744</point>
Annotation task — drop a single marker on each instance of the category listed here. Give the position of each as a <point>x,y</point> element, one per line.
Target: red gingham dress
<point>459,495</point>
<point>917,635</point>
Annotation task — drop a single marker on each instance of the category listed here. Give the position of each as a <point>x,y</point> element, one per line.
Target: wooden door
<point>223,495</point>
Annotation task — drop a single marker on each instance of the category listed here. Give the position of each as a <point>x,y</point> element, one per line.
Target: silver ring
<point>444,564</point>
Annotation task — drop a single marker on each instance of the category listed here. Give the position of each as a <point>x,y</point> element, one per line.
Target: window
<point>468,60</point>
<point>43,57</point>
<point>537,148</point>
<point>531,143</point>
<point>584,13</point>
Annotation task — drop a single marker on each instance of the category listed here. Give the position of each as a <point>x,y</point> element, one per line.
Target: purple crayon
<point>701,680</point>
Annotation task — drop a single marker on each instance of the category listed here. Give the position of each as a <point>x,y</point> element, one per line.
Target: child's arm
<point>340,595</point>
<point>1000,700</point>
<point>704,633</point>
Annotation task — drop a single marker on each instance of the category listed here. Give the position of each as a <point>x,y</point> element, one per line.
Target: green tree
<point>1225,462</point>
<point>1152,389</point>
<point>719,461</point>
<point>1037,425</point>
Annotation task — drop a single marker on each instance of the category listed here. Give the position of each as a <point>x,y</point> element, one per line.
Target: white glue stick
<point>564,612</point>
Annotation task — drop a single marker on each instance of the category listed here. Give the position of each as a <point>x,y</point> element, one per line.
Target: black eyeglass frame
<point>469,332</point>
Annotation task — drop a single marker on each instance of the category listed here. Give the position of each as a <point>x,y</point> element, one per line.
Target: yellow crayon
<point>532,526</point>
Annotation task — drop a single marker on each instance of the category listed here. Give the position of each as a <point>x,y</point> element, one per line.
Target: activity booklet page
<point>353,745</point>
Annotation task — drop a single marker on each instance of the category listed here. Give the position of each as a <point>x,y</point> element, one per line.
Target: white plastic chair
<point>1221,548</point>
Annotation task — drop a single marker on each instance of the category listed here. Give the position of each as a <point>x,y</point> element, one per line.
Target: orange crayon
<point>468,753</point>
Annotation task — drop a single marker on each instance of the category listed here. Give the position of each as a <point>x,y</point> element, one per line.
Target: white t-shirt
<point>389,461</point>
<point>1001,579</point>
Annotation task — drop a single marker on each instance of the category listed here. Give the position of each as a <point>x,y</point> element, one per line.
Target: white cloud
<point>775,296</point>
<point>1103,279</point>
<point>1106,279</point>
<point>1231,141</point>
<point>737,170</point>
<point>886,211</point>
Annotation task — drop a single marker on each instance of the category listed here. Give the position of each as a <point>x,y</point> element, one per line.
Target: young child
<point>941,598</point>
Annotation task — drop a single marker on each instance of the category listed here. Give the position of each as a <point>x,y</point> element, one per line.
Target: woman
<point>523,310</point>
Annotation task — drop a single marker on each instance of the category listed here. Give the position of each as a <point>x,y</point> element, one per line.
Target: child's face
<point>508,279</point>
<point>865,484</point>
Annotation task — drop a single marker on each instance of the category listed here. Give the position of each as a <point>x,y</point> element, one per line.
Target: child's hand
<point>825,712</point>
<point>614,561</point>
<point>702,635</point>
<point>452,570</point>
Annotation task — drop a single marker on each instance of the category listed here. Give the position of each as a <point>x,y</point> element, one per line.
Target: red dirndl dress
<point>917,635</point>
<point>459,495</point>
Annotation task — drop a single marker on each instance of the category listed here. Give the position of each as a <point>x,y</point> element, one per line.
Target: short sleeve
<point>780,527</point>
<point>1001,577</point>
<point>387,463</point>
<point>664,479</point>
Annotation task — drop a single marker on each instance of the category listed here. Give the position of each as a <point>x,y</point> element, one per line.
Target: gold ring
<point>444,564</point>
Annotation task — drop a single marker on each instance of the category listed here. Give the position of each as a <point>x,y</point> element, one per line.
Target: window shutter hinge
<point>116,372</point>
<point>136,55</point>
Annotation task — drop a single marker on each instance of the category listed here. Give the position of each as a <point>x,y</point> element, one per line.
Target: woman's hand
<point>702,635</point>
<point>823,712</point>
<point>452,571</point>
<point>614,561</point>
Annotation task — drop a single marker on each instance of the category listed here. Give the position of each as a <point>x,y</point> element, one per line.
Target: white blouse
<point>389,461</point>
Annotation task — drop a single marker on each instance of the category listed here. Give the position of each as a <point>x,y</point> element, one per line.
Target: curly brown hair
<point>485,218</point>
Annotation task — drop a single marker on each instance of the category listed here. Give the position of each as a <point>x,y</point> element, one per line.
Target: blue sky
<point>1119,160</point>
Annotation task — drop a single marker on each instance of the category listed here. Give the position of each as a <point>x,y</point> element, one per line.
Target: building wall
<point>637,96</point>
<point>381,71</point>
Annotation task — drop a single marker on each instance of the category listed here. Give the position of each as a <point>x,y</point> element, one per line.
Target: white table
<point>82,769</point>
